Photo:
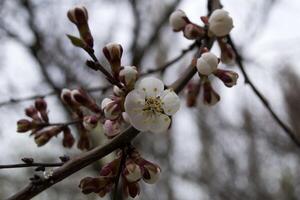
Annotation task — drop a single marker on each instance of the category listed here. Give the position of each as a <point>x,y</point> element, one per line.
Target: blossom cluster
<point>134,168</point>
<point>218,24</point>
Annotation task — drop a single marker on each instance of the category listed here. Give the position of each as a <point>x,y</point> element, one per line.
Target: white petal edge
<point>160,123</point>
<point>151,86</point>
<point>171,102</point>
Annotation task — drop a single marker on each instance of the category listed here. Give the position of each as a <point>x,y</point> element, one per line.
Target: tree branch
<point>266,104</point>
<point>104,88</point>
<point>89,157</point>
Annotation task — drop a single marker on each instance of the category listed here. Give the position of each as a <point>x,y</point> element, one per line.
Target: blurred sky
<point>272,47</point>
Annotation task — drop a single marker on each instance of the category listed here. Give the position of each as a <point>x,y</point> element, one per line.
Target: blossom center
<point>153,104</point>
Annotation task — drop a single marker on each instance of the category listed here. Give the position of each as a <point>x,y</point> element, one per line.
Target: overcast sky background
<point>272,49</point>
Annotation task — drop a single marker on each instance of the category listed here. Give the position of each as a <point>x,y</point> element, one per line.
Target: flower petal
<point>151,86</point>
<point>134,102</point>
<point>159,123</point>
<point>171,102</point>
<point>141,121</point>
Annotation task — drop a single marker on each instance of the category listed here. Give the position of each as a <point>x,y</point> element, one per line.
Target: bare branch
<point>104,88</point>
<point>285,127</point>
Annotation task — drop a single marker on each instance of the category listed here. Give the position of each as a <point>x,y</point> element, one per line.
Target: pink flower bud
<point>82,98</point>
<point>118,92</point>
<point>111,168</point>
<point>68,139</point>
<point>128,75</point>
<point>227,53</point>
<point>32,113</point>
<point>131,189</point>
<point>132,172</point>
<point>210,97</point>
<point>40,104</point>
<point>90,122</point>
<point>44,135</point>
<point>111,108</point>
<point>24,125</point>
<point>112,128</point>
<point>193,31</point>
<point>113,53</point>
<point>229,78</point>
<point>178,20</point>
<point>100,185</point>
<point>193,90</point>
<point>84,141</point>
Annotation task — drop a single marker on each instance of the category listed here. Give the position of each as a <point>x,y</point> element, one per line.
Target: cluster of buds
<point>132,168</point>
<point>207,65</point>
<point>40,127</point>
<point>79,16</point>
<point>113,107</point>
<point>180,22</point>
<point>84,109</point>
<point>127,75</point>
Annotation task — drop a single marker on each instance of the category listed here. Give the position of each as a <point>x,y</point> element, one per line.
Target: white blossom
<point>149,106</point>
<point>178,20</point>
<point>220,23</point>
<point>207,63</point>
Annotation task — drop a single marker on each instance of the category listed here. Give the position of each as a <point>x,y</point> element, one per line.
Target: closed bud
<point>32,112</point>
<point>90,122</point>
<point>220,23</point>
<point>193,90</point>
<point>112,128</point>
<point>193,31</point>
<point>178,20</point>
<point>78,15</point>
<point>111,108</point>
<point>227,53</point>
<point>131,189</point>
<point>82,98</point>
<point>210,97</point>
<point>229,78</point>
<point>24,125</point>
<point>66,96</point>
<point>84,141</point>
<point>40,104</point>
<point>113,53</point>
<point>151,172</point>
<point>100,185</point>
<point>68,139</point>
<point>128,75</point>
<point>132,172</point>
<point>44,135</point>
<point>117,91</point>
<point>207,63</point>
<point>111,168</point>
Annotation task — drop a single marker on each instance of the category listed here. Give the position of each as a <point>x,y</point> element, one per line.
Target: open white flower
<point>149,106</point>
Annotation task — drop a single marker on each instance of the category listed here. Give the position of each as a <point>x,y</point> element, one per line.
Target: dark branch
<point>285,127</point>
<point>104,88</point>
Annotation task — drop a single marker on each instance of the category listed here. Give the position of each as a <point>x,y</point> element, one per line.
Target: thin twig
<point>121,166</point>
<point>285,127</point>
<point>102,88</point>
<point>97,153</point>
<point>34,164</point>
